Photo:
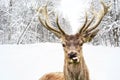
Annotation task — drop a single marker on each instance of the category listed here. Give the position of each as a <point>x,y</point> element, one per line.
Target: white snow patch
<point>30,62</point>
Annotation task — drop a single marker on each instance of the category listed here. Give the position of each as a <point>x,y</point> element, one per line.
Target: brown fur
<point>72,71</point>
<point>53,76</point>
<point>76,71</point>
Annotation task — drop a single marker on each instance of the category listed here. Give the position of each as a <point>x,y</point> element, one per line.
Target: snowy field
<point>30,62</point>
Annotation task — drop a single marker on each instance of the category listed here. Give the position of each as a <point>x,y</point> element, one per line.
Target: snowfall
<point>31,61</point>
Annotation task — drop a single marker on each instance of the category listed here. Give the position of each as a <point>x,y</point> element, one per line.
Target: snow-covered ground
<point>30,62</point>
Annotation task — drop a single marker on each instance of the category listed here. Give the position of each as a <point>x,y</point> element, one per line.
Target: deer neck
<point>76,71</point>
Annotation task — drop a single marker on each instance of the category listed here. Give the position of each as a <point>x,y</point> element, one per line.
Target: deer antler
<point>86,23</point>
<point>46,23</point>
<point>99,16</point>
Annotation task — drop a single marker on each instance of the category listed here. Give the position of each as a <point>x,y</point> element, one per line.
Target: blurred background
<point>19,21</point>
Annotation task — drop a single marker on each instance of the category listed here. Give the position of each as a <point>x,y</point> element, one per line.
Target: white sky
<point>73,10</point>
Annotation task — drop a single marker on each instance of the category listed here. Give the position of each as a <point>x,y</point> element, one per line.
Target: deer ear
<point>88,37</point>
<point>91,36</point>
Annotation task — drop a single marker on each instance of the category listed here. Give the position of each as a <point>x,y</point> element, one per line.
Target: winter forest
<point>19,23</point>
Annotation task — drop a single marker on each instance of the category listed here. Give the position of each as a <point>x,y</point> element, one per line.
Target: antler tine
<point>99,15</point>
<point>46,23</point>
<point>57,21</point>
<point>86,19</point>
<point>57,33</point>
<point>88,24</point>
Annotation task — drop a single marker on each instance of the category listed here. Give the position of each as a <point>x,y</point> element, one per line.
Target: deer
<point>75,67</point>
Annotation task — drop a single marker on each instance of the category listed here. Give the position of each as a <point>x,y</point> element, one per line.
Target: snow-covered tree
<point>19,22</point>
<point>109,34</point>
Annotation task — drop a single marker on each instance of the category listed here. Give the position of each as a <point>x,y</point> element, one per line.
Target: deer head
<point>72,44</point>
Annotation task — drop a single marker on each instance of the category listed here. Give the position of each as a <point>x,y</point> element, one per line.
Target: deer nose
<point>72,55</point>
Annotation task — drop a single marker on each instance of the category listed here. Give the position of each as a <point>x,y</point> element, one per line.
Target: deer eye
<point>80,44</point>
<point>63,45</point>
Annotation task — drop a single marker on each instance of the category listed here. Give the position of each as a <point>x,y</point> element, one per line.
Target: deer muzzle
<point>73,57</point>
